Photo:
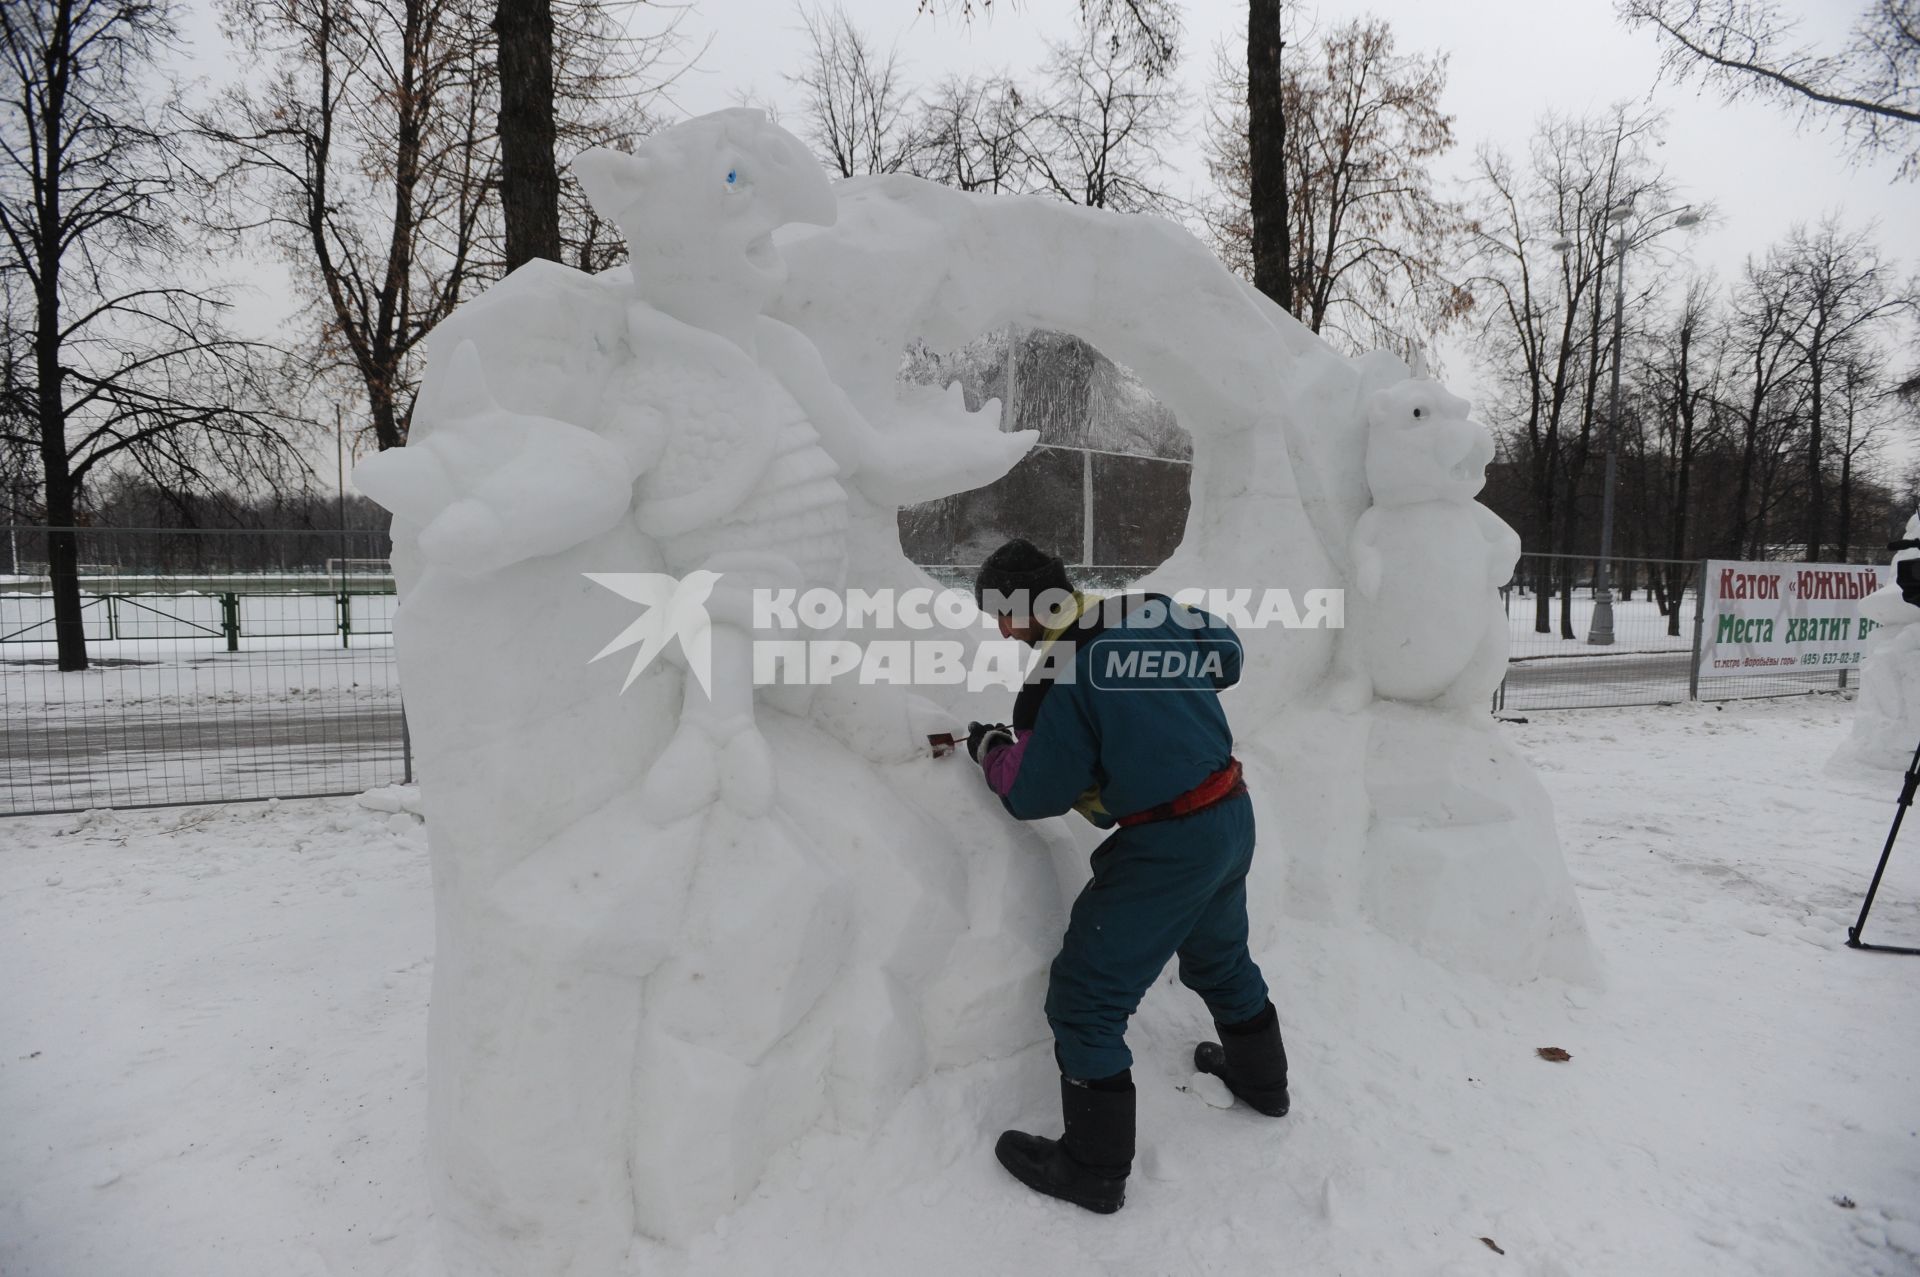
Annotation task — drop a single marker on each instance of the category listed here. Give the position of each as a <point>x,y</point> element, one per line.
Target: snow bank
<point>680,928</point>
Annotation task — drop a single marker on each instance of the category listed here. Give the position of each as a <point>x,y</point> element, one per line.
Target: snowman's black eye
<point>1416,412</point>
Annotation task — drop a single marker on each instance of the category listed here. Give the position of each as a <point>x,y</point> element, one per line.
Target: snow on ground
<point>156,674</point>
<point>216,1039</point>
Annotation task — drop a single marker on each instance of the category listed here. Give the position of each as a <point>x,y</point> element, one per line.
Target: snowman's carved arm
<point>1367,564</point>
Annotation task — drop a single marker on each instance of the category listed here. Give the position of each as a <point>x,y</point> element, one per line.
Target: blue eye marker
<point>733,175</point>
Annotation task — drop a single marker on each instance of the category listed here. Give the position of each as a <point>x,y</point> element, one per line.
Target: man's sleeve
<point>1046,771</point>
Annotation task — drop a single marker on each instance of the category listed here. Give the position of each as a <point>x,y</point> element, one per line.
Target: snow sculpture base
<point>630,1021</point>
<point>1423,824</point>
<point>1462,861</point>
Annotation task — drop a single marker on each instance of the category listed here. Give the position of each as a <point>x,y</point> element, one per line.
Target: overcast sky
<point>1509,61</point>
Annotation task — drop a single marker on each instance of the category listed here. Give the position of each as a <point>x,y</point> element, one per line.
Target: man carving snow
<point>1121,720</point>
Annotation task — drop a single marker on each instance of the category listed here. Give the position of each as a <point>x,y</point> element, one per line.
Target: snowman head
<point>1423,446</point>
<point>699,203</point>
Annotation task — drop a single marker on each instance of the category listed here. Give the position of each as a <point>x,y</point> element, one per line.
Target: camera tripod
<point>1907,789</point>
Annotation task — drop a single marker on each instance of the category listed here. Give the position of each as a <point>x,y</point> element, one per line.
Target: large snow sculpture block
<point>1461,860</point>
<point>1886,714</point>
<point>679,926</point>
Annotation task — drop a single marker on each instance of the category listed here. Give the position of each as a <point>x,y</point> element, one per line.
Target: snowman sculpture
<point>1886,717</point>
<point>1422,548</point>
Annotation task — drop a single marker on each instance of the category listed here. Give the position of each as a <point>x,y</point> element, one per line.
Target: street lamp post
<point>1600,628</point>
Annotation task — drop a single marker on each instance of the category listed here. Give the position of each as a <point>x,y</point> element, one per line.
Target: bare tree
<point>1764,337</point>
<point>856,108</point>
<point>1147,31</point>
<point>1871,86</point>
<point>1863,412</point>
<point>1370,232</point>
<point>1844,292</point>
<point>611,73</point>
<point>366,157</point>
<point>1096,134</point>
<point>971,132</point>
<point>1681,377</point>
<point>129,364</point>
<point>1544,245</point>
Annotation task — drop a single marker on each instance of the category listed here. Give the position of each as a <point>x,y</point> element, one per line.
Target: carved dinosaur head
<point>699,203</point>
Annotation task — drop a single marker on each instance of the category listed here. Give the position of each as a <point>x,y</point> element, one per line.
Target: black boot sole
<point>1210,1057</point>
<point>1024,1164</point>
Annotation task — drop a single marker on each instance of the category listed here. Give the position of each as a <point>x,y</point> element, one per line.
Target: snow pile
<point>680,929</point>
<point>1886,717</point>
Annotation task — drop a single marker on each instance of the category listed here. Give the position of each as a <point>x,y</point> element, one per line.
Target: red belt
<point>1219,787</point>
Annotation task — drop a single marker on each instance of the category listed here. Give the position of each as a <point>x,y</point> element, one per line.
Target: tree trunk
<point>1677,527</point>
<point>1846,489</point>
<point>63,550</point>
<point>1267,154</point>
<point>63,547</point>
<point>1816,490</point>
<point>1743,496</point>
<point>529,182</point>
<point>1569,568</point>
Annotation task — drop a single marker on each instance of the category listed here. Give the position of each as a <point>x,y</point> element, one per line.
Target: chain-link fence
<point>219,665</point>
<point>235,665</point>
<point>1554,664</point>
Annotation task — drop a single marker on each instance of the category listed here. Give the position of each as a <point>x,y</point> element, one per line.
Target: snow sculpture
<point>1428,560</point>
<point>639,991</point>
<point>1886,717</point>
<point>676,934</point>
<point>1415,816</point>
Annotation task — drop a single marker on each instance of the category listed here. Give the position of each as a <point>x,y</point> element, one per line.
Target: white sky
<point>1510,61</point>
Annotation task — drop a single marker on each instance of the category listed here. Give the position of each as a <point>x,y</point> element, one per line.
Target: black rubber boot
<point>1088,1164</point>
<point>1251,1060</point>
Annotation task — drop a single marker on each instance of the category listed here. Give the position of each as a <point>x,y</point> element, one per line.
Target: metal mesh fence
<point>1651,661</point>
<point>224,665</point>
<point>220,665</point>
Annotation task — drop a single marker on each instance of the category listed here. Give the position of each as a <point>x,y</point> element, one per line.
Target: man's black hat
<point>1018,566</point>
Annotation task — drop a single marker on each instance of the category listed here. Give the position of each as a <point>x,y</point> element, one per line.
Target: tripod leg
<point>1907,790</point>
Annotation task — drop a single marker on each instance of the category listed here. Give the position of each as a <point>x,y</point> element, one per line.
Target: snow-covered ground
<point>215,1044</point>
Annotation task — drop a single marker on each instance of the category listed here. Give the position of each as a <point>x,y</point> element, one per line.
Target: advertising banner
<point>1785,617</point>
